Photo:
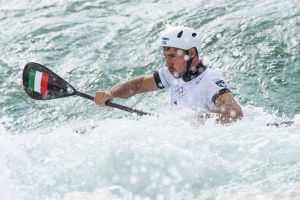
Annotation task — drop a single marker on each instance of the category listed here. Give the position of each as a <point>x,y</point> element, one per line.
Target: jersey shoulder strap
<point>158,80</point>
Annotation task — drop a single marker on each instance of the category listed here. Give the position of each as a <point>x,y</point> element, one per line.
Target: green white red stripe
<point>38,81</point>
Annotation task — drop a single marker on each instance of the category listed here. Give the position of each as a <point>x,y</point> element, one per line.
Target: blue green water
<point>97,44</point>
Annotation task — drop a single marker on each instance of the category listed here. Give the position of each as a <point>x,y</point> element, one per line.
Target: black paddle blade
<point>41,83</point>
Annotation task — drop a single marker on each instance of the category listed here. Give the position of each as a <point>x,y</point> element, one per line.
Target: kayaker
<point>192,84</point>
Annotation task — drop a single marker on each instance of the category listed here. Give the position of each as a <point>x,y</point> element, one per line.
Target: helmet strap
<point>192,73</point>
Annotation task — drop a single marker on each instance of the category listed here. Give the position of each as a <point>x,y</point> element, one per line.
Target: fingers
<point>102,97</point>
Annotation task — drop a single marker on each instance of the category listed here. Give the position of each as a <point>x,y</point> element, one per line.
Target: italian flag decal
<point>38,81</point>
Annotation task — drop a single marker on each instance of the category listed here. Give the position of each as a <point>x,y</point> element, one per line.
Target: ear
<point>192,52</point>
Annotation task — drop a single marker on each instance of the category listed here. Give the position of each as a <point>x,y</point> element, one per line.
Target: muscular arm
<point>127,89</point>
<point>137,85</point>
<point>228,109</point>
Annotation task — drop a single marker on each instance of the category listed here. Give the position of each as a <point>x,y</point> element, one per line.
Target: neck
<point>193,72</point>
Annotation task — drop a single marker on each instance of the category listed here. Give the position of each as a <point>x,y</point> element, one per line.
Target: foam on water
<point>165,157</point>
<point>70,149</point>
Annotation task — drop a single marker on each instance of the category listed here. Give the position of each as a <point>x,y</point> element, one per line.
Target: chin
<point>176,75</point>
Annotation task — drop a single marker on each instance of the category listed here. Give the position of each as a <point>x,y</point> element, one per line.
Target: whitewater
<point>72,149</point>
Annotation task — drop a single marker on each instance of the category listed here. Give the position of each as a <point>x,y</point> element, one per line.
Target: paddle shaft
<point>111,104</point>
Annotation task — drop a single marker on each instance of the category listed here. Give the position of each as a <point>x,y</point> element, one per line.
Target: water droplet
<point>186,57</point>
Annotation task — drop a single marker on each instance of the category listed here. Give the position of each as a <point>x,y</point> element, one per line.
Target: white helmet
<point>181,37</point>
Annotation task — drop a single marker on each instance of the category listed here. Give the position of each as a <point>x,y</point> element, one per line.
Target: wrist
<point>111,93</point>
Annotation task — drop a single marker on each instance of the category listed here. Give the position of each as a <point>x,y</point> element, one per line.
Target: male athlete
<point>191,83</point>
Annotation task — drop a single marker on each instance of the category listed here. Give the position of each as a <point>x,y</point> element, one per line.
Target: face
<point>175,61</point>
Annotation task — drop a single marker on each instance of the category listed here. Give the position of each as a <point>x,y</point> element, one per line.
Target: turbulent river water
<point>70,148</point>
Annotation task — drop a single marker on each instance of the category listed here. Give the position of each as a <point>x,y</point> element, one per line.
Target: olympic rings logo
<point>180,91</point>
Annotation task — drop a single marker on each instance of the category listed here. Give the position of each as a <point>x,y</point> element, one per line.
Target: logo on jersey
<point>198,81</point>
<point>180,91</point>
<point>220,83</point>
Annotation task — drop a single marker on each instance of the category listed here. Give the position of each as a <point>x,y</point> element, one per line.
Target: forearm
<point>124,90</point>
<point>128,88</point>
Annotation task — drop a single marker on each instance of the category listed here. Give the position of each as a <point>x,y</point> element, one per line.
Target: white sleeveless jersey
<point>199,93</point>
